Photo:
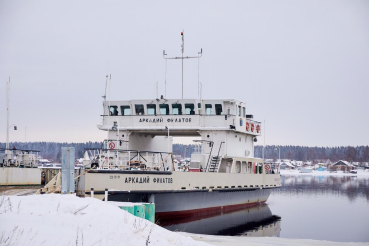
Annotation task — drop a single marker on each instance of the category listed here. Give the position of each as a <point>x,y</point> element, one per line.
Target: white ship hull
<point>178,194</point>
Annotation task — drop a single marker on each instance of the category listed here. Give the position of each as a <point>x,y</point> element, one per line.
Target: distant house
<point>307,163</point>
<point>297,163</point>
<point>365,164</point>
<point>286,166</point>
<point>342,165</point>
<point>356,164</point>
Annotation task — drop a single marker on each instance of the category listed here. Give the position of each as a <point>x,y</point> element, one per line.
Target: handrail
<point>206,168</point>
<point>219,150</point>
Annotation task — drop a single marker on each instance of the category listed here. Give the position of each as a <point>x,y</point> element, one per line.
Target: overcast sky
<point>302,66</point>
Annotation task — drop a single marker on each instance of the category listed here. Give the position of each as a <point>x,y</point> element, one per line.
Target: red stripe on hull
<point>205,212</point>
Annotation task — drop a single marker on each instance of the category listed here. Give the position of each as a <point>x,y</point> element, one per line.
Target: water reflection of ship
<point>254,222</point>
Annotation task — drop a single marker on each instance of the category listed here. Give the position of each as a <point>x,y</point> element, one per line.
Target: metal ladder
<point>214,165</point>
<point>215,160</point>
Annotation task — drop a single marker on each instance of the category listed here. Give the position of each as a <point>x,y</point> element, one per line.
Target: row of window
<point>249,167</point>
<point>164,109</point>
<point>243,111</point>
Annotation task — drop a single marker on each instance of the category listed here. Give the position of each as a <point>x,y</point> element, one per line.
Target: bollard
<point>106,195</point>
<point>92,192</point>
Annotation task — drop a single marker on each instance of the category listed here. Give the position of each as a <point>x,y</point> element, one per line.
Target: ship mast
<point>182,57</point>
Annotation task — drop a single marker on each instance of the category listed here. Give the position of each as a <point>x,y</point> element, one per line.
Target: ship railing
<point>129,159</point>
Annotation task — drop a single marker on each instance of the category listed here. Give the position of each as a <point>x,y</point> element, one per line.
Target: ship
<point>136,161</point>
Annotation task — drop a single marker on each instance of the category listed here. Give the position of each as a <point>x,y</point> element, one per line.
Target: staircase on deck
<point>214,165</point>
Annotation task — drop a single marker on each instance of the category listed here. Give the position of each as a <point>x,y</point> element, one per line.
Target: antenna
<point>157,90</point>
<point>201,93</point>
<point>108,116</point>
<point>165,75</point>
<point>106,85</point>
<point>198,74</point>
<point>182,57</point>
<point>264,144</point>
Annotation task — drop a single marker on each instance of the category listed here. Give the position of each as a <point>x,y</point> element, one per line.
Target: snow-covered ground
<point>265,241</point>
<point>68,220</point>
<point>324,173</point>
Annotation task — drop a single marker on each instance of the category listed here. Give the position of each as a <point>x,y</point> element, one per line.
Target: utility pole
<point>7,113</point>
<point>182,57</point>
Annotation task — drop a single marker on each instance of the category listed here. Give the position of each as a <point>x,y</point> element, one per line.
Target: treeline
<point>303,153</point>
<point>52,151</point>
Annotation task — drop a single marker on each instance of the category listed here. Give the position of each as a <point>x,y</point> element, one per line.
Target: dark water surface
<point>333,208</point>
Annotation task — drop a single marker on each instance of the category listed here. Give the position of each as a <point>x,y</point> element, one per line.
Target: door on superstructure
<point>208,144</point>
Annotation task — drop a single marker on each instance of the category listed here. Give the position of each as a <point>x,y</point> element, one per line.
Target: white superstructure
<point>222,127</point>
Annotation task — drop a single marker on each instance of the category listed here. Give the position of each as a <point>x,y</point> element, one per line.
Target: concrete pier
<point>20,176</point>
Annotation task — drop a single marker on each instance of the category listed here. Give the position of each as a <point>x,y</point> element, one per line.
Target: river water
<point>333,208</point>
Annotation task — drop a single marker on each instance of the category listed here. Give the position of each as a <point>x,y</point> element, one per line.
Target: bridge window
<point>125,110</point>
<point>218,109</point>
<point>190,108</point>
<point>260,167</point>
<point>243,112</point>
<point>208,109</point>
<point>164,109</point>
<point>177,108</point>
<point>139,109</point>
<point>151,109</point>
<point>239,110</point>
<point>113,110</point>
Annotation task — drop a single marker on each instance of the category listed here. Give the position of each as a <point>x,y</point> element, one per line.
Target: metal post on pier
<point>106,195</point>
<point>92,192</point>
<point>68,158</point>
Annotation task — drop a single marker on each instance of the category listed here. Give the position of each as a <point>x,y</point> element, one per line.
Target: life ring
<point>258,128</point>
<point>252,127</point>
<point>247,126</point>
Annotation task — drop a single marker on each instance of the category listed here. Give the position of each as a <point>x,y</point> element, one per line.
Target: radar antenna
<point>182,57</point>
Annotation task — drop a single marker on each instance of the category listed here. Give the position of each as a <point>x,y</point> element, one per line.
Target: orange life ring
<point>247,126</point>
<point>257,128</point>
<point>252,127</point>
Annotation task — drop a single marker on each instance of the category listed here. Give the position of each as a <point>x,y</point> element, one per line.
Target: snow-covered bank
<point>264,241</point>
<point>325,173</point>
<point>69,220</point>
